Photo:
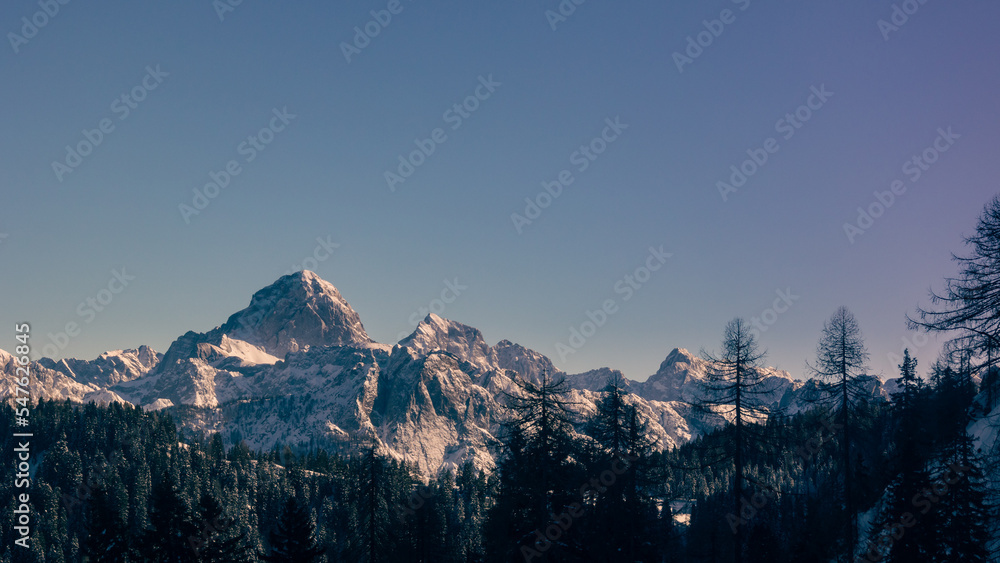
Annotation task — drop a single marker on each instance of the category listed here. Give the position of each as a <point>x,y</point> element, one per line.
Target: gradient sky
<point>322,176</point>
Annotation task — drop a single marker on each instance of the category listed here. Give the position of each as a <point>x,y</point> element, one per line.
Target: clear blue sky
<point>323,174</point>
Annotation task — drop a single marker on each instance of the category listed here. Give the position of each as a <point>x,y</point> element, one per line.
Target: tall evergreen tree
<point>624,518</point>
<point>294,540</point>
<point>903,533</point>
<point>172,525</point>
<point>107,539</point>
<point>966,520</point>
<point>539,477</point>
<point>221,539</point>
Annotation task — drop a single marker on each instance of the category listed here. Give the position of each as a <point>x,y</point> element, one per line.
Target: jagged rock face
<point>678,378</point>
<point>433,414</point>
<point>530,364</point>
<point>47,383</point>
<point>434,333</point>
<point>110,368</point>
<point>682,375</point>
<point>597,379</point>
<point>297,311</point>
<point>297,367</point>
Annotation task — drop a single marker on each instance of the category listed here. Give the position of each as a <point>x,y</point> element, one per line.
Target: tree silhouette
<point>733,387</point>
<point>841,356</point>
<point>970,303</point>
<point>172,525</point>
<point>294,539</point>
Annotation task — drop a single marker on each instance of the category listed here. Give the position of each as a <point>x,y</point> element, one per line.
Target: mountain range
<point>297,367</point>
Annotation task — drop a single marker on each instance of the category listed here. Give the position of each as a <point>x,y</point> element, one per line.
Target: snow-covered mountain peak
<point>297,311</point>
<point>525,361</point>
<point>679,358</point>
<point>109,368</point>
<point>465,342</point>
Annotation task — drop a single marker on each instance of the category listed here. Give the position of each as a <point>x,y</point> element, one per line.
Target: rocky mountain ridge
<point>297,367</point>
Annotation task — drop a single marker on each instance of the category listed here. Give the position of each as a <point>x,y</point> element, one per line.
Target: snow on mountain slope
<point>530,364</point>
<point>249,353</point>
<point>597,379</point>
<point>682,375</point>
<point>431,413</point>
<point>43,382</point>
<point>295,312</point>
<point>434,333</point>
<point>110,368</point>
<point>296,367</point>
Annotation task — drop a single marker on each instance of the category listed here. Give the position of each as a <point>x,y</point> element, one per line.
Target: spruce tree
<point>624,517</point>
<point>172,526</point>
<point>107,538</point>
<point>294,539</point>
<point>221,539</point>
<point>539,478</point>
<point>966,520</point>
<point>906,528</point>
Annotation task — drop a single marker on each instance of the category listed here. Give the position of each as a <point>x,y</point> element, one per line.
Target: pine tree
<point>841,356</point>
<point>172,526</point>
<point>906,529</point>
<point>624,517</point>
<point>472,501</point>
<point>107,532</point>
<point>294,539</point>
<point>221,539</point>
<point>538,476</point>
<point>965,521</point>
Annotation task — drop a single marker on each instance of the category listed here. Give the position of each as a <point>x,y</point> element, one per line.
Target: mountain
<point>297,367</point>
<point>110,368</point>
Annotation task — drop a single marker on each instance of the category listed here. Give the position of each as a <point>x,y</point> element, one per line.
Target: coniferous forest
<point>118,484</point>
<point>570,281</point>
<point>897,480</point>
